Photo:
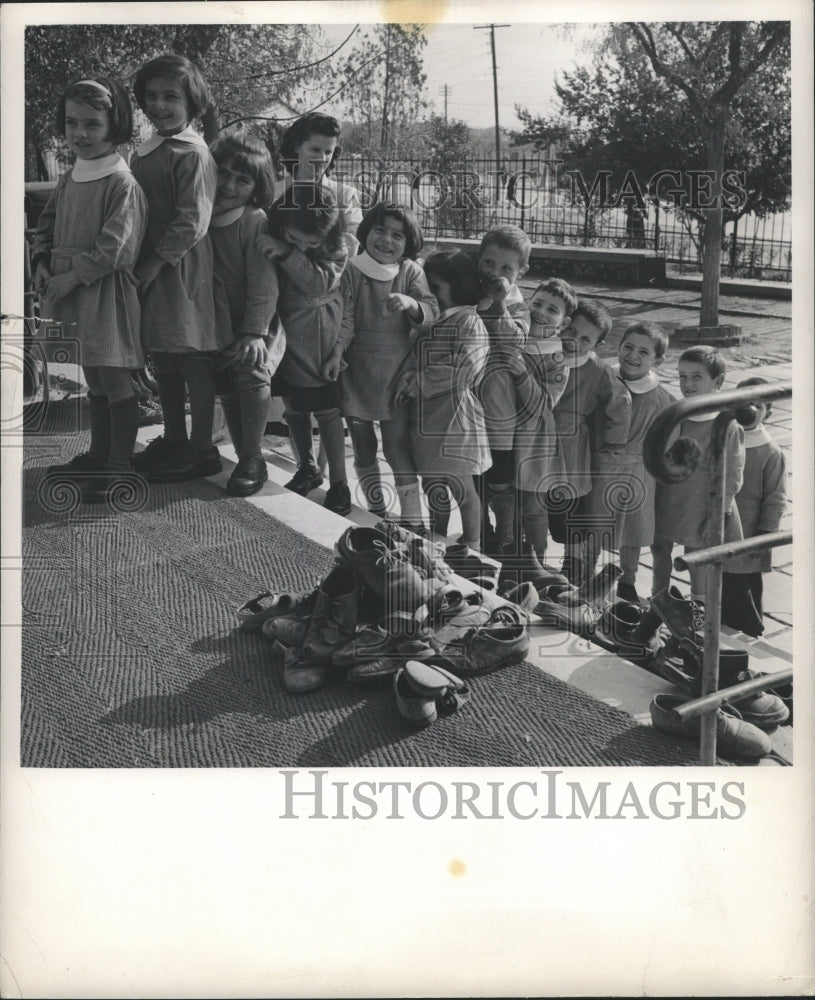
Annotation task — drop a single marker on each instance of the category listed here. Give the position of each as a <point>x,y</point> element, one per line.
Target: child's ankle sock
<point>124,426</point>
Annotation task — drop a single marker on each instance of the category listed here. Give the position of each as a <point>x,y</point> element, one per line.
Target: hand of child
<point>248,350</point>
<point>397,302</point>
<point>42,273</point>
<point>497,289</point>
<point>331,368</point>
<point>61,285</point>
<point>408,388</point>
<point>273,247</point>
<point>147,272</point>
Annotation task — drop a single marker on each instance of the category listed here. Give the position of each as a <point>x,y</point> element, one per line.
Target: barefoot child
<point>85,249</point>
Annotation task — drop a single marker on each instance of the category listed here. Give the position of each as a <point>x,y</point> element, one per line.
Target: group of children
<point>202,258</point>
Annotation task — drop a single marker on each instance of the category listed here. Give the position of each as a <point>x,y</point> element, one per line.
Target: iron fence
<point>465,199</point>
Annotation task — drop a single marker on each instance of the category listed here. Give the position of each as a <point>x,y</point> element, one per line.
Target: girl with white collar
<point>386,299</point>
<point>621,501</point>
<point>179,176</point>
<point>84,252</point>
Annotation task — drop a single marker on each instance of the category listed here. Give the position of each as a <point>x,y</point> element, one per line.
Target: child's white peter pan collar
<point>638,385</point>
<point>186,135</point>
<point>577,361</point>
<point>92,170</point>
<point>371,268</point>
<point>227,218</point>
<point>757,437</point>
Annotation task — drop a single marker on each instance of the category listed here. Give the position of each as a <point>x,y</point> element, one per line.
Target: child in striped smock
<point>386,300</point>
<point>179,177</point>
<point>307,243</point>
<point>246,291</point>
<point>84,252</point>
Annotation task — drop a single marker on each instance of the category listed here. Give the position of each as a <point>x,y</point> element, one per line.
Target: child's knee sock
<point>629,563</point>
<point>332,435</point>
<point>100,427</point>
<point>503,502</point>
<point>369,478</point>
<point>300,438</point>
<point>438,504</point>
<point>171,395</point>
<point>661,557</point>
<point>410,504</point>
<point>254,406</point>
<point>230,404</point>
<point>124,426</point>
<point>197,373</point>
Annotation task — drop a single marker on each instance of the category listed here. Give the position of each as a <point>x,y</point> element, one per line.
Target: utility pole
<point>445,90</point>
<point>492,28</point>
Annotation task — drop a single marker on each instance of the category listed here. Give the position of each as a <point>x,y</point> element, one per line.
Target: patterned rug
<point>132,657</point>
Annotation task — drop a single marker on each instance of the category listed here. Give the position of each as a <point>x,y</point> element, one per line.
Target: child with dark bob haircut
<point>250,156</point>
<point>376,216</point>
<point>84,253</point>
<point>178,68</point>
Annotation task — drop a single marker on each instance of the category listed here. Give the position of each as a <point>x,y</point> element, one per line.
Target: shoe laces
<point>698,613</point>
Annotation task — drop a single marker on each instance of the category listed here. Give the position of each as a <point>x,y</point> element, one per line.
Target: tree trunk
<point>713,132</point>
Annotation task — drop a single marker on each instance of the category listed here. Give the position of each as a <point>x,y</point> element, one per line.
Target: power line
<point>296,69</point>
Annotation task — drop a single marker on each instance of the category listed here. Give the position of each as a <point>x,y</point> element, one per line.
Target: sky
<point>527,58</point>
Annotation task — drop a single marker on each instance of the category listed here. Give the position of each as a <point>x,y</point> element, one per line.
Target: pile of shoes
<point>388,600</point>
<point>562,605</point>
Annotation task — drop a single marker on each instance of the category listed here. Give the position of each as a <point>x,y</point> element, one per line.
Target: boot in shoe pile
<point>388,602</point>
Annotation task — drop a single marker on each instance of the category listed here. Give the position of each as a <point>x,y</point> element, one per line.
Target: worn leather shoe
<point>485,649</point>
<point>304,481</point>
<point>334,618</point>
<point>417,709</point>
<point>158,450</point>
<point>735,738</point>
<point>247,477</point>
<point>79,465</point>
<point>685,618</point>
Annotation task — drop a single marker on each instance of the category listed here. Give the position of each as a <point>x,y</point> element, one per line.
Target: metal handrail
<point>667,470</point>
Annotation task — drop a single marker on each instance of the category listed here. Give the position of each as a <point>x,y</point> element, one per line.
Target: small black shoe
<point>158,450</point>
<point>304,481</point>
<point>248,477</point>
<point>338,498</point>
<point>79,466</point>
<point>188,462</point>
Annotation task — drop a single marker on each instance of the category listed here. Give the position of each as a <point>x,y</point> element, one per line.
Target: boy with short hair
<point>681,508</point>
<point>540,378</point>
<point>503,258</point>
<point>761,502</point>
<point>622,490</point>
<point>593,414</point>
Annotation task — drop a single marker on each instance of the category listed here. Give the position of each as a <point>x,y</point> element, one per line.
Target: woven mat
<point>132,658</point>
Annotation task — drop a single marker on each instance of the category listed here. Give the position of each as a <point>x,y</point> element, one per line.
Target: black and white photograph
<point>407,440</point>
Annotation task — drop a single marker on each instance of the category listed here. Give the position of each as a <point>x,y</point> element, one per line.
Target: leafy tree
<point>384,91</point>
<point>246,66</point>
<point>625,118</point>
